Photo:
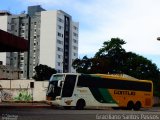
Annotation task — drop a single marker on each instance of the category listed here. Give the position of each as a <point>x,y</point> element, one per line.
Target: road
<point>56,114</point>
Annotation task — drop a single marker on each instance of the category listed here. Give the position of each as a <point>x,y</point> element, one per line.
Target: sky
<point>135,21</point>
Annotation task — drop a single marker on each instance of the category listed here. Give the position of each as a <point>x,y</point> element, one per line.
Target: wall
<point>7,72</point>
<point>14,90</point>
<point>10,90</point>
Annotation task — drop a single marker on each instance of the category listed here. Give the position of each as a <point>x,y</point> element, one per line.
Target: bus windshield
<point>56,77</point>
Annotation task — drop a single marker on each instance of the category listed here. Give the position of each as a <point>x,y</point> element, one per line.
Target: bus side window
<point>68,86</point>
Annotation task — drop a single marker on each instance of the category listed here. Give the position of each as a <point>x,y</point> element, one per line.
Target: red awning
<point>12,43</point>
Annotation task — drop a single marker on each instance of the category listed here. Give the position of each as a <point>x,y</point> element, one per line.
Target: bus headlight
<point>58,98</point>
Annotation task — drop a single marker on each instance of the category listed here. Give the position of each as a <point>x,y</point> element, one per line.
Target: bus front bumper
<point>55,102</point>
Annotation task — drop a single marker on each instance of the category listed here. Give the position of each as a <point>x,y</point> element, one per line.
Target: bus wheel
<point>130,105</point>
<point>137,106</point>
<point>80,104</point>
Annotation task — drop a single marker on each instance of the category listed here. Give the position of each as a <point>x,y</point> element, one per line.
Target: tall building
<point>59,35</point>
<point>53,39</point>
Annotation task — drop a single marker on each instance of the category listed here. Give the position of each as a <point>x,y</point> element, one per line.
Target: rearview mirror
<point>60,83</point>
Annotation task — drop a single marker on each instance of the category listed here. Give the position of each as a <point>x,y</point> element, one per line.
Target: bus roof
<point>121,77</point>
<point>111,76</point>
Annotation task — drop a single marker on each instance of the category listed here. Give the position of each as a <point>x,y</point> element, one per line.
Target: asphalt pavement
<point>56,114</point>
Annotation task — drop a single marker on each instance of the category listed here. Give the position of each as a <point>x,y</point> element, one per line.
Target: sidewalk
<point>24,105</point>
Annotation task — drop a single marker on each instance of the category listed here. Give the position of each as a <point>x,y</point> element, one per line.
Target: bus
<point>99,91</point>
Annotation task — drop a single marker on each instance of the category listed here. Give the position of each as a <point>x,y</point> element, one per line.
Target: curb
<point>25,107</point>
<point>30,105</point>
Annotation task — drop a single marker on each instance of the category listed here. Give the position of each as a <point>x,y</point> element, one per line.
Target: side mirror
<point>60,83</point>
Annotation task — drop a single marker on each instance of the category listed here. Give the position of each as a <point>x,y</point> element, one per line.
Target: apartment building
<point>53,39</point>
<point>59,40</point>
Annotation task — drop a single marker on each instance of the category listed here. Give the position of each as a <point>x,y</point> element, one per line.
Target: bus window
<point>68,86</point>
<point>56,77</point>
<point>97,82</point>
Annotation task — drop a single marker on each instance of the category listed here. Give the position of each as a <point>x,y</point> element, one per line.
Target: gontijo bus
<point>99,90</point>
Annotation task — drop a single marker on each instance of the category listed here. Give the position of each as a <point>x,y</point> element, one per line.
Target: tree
<point>112,58</point>
<point>83,65</point>
<point>43,72</point>
<point>111,48</point>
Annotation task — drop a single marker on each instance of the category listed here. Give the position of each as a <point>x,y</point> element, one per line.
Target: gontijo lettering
<point>126,92</point>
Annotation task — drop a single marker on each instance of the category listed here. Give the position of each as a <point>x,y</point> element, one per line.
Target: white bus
<point>99,91</point>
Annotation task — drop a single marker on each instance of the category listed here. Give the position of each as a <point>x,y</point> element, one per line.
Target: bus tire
<point>130,105</point>
<point>137,106</point>
<point>80,104</point>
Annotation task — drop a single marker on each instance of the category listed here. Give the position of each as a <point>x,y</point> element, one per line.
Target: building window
<point>75,41</point>
<point>75,48</point>
<point>22,24</point>
<point>59,56</point>
<point>75,28</point>
<point>22,31</point>
<point>12,27</point>
<point>59,49</point>
<point>60,20</point>
<point>59,64</point>
<point>35,37</point>
<point>73,60</point>
<point>59,27</point>
<point>60,42</point>
<point>21,65</point>
<point>75,34</point>
<point>60,34</point>
<point>75,54</point>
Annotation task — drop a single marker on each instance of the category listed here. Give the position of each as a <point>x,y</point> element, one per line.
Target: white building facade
<point>58,40</point>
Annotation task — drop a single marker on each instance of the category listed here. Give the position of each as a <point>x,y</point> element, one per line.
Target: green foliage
<point>43,72</point>
<point>23,96</point>
<point>112,58</point>
<point>111,48</point>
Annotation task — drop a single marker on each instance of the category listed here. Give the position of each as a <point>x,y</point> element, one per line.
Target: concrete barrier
<point>23,90</point>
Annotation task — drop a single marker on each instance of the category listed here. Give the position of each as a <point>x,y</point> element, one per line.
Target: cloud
<point>135,21</point>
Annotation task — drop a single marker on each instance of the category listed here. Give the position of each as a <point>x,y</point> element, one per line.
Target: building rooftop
<point>4,12</point>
